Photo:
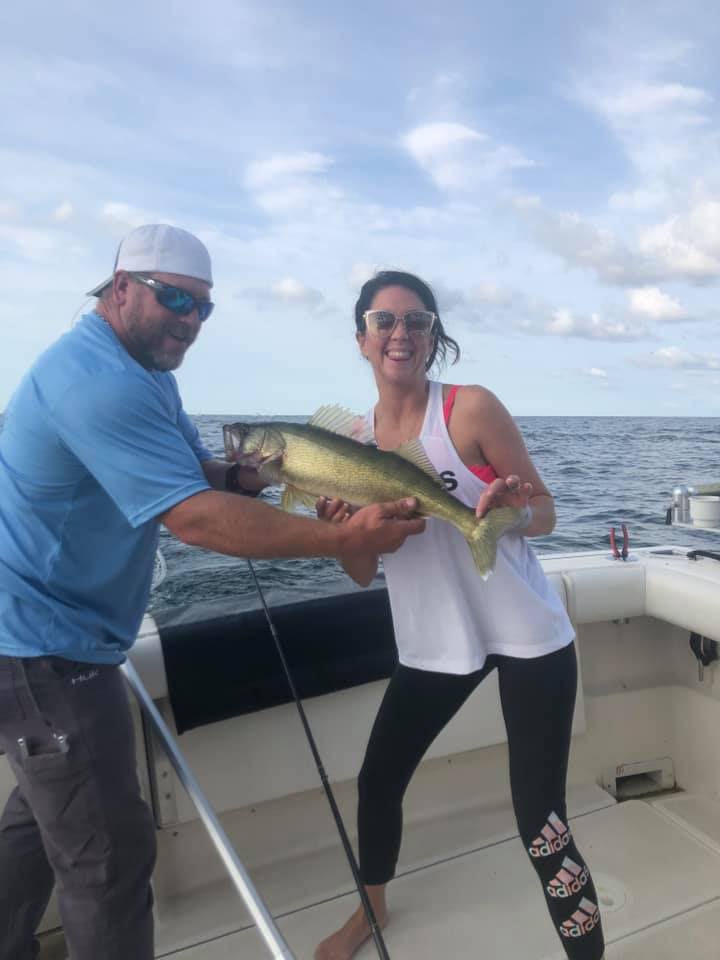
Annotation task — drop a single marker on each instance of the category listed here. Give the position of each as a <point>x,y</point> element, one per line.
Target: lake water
<point>601,470</point>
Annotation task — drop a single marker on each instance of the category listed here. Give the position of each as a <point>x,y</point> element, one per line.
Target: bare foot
<point>342,944</point>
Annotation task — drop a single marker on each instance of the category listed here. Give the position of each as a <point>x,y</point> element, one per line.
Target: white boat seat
<point>684,599</point>
<point>611,592</point>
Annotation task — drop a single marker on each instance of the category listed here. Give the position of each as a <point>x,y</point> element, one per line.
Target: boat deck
<point>466,888</point>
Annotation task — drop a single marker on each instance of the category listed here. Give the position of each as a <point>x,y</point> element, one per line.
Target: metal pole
<point>261,915</point>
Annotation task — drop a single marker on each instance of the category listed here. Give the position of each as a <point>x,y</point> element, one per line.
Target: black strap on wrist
<point>233,485</point>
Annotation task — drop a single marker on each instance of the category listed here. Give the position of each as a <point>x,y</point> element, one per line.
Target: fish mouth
<point>234,437</point>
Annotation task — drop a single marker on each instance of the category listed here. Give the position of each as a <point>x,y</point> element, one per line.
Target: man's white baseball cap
<point>160,248</point>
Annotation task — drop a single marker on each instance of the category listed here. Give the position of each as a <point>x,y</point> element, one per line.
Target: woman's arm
<point>481,419</point>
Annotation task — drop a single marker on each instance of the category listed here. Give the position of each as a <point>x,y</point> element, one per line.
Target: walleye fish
<point>333,456</point>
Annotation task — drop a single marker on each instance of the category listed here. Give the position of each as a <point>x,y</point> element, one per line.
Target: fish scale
<point>326,464</point>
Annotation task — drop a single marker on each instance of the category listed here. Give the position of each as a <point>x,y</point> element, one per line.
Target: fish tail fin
<point>484,535</point>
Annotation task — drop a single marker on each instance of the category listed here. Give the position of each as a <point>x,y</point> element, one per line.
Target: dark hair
<point>397,278</point>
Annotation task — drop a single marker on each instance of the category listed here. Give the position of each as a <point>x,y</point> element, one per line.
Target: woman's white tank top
<point>446,618</point>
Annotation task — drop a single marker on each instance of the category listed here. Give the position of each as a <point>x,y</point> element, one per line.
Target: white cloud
<point>448,298</point>
<point>638,101</point>
<point>283,183</point>
<point>583,244</point>
<point>437,90</point>
<point>565,323</point>
<point>64,212</point>
<point>457,157</point>
<point>359,274</point>
<point>639,200</point>
<point>56,78</point>
<point>538,318</point>
<point>291,290</point>
<point>283,167</point>
<point>288,291</point>
<point>31,243</point>
<point>121,217</point>
<point>491,294</point>
<point>688,245</point>
<point>684,247</point>
<point>675,358</point>
<point>644,90</point>
<point>238,36</point>
<point>653,303</point>
<point>598,376</point>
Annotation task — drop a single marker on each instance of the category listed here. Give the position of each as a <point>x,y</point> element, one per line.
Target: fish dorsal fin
<point>414,452</point>
<point>344,422</point>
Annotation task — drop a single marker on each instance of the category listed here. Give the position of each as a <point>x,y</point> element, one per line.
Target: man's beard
<point>145,345</point>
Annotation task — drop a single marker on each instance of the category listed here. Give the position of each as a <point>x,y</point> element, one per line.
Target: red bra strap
<point>486,471</point>
<point>449,404</point>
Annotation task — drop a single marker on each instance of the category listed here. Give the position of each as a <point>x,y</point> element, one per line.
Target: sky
<point>553,170</point>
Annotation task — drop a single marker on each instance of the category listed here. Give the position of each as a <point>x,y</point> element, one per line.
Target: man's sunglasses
<point>176,299</point>
<point>381,323</point>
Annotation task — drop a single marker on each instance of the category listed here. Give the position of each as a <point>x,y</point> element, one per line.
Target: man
<point>95,451</point>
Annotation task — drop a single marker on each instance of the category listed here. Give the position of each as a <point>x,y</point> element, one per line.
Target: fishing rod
<point>367,906</point>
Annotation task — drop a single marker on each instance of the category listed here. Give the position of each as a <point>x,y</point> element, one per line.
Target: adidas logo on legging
<point>569,880</point>
<point>585,919</point>
<point>554,837</point>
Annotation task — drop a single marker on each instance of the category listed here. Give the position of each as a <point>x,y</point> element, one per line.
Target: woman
<point>450,638</point>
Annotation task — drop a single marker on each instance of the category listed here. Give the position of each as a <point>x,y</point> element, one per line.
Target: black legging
<point>538,699</point>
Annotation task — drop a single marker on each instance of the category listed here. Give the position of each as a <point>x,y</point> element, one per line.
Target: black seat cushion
<point>227,665</point>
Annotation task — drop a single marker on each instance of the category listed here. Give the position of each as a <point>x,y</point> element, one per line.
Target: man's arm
<point>244,527</point>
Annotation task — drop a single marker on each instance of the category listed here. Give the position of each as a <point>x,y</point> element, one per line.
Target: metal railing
<point>259,912</point>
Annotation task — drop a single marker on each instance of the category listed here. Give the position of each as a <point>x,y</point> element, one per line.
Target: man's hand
<point>380,528</point>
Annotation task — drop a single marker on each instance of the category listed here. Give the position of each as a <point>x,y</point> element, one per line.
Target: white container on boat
<point>681,505</point>
<point>705,511</point>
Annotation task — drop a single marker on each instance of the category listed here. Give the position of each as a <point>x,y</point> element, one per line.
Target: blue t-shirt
<point>94,447</point>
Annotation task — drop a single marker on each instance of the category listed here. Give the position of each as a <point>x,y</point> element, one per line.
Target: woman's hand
<point>334,511</point>
<point>509,492</point>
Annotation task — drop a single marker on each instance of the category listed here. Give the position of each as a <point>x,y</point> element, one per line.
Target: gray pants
<point>76,818</point>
